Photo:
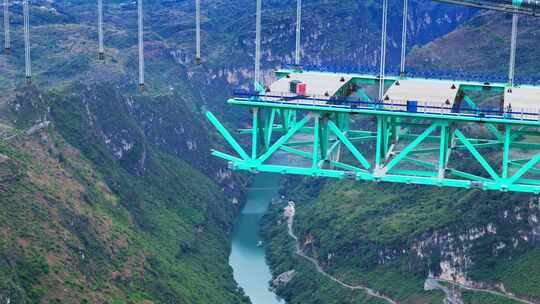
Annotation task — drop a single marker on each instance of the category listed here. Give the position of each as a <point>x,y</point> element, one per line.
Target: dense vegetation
<point>483,46</point>
<point>118,200</point>
<point>485,298</point>
<point>84,221</point>
<point>371,235</point>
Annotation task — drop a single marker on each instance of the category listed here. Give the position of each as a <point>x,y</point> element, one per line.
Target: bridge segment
<point>462,142</point>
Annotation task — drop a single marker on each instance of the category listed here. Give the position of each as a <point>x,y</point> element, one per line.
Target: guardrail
<point>528,114</point>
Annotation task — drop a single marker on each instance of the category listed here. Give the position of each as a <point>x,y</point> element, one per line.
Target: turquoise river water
<point>247,256</point>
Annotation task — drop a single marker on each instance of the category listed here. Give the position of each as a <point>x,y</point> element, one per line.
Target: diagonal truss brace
<point>282,140</point>
<point>228,137</point>
<point>470,147</point>
<point>326,133</point>
<point>528,166</point>
<point>409,148</point>
<point>349,145</point>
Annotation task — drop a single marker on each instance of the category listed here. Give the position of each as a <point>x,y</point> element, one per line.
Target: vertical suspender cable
<point>258,44</point>
<point>28,67</point>
<point>298,31</point>
<point>511,73</point>
<point>402,70</point>
<point>141,44</point>
<point>198,30</point>
<point>383,49</point>
<point>7,38</point>
<point>101,49</point>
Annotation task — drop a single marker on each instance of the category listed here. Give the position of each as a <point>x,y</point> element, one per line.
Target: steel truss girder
<point>321,137</point>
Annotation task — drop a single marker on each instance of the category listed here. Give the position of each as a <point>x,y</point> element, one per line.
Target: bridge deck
<point>433,96</point>
<point>423,91</point>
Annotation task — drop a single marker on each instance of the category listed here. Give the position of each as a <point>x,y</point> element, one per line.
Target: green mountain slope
<point>391,237</point>
<point>93,212</point>
<point>482,45</point>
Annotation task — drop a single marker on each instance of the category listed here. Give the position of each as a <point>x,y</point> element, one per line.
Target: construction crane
<point>421,131</point>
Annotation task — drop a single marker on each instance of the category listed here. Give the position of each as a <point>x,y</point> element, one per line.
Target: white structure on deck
<point>318,85</point>
<point>425,92</point>
<point>523,100</point>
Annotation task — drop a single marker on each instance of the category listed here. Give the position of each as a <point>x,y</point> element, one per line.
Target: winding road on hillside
<point>493,292</point>
<point>374,293</point>
<point>299,252</point>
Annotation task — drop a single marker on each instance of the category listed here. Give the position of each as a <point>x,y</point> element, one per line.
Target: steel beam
<point>228,137</point>
<point>443,133</point>
<point>349,145</point>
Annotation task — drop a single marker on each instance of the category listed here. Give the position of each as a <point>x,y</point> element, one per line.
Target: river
<point>247,259</point>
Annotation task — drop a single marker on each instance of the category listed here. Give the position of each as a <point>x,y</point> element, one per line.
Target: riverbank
<point>308,284</point>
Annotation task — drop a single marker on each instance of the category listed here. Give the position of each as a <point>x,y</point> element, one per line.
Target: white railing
<point>393,105</point>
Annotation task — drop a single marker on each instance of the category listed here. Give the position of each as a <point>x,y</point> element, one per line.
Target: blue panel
<point>412,106</point>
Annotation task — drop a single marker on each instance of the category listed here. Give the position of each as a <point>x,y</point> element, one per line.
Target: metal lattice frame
<point>389,146</point>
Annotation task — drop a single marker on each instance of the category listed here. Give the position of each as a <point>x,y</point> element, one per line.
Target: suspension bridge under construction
<point>393,128</point>
<point>381,128</point>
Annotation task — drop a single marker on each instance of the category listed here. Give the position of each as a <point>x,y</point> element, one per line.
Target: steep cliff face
<point>483,46</point>
<point>335,33</point>
<point>472,254</point>
<point>342,33</point>
<point>391,238</point>
<point>106,200</point>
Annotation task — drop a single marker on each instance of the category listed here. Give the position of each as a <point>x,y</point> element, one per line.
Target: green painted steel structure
<point>374,144</point>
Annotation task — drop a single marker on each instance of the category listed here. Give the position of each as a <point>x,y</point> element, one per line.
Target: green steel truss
<point>384,146</point>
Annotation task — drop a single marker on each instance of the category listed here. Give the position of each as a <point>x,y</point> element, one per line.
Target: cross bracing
<point>463,146</point>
